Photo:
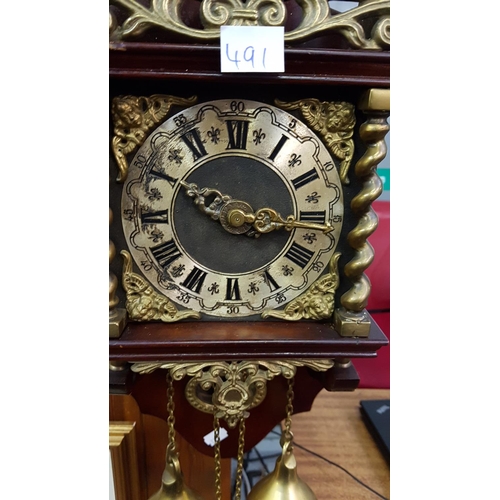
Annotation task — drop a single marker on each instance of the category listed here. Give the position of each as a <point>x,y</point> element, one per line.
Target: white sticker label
<point>252,49</point>
<point>210,437</point>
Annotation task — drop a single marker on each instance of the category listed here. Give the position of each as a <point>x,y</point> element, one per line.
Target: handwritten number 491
<point>249,55</point>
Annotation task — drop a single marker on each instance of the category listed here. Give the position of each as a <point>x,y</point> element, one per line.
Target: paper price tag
<point>210,437</point>
<point>252,49</point>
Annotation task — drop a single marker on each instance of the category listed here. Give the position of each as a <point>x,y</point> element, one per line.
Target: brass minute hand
<point>266,220</point>
<point>238,217</point>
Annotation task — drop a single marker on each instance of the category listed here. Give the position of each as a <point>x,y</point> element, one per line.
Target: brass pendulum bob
<point>172,481</point>
<point>283,482</point>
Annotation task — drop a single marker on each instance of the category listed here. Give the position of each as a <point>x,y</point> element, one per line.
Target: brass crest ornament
<point>317,19</point>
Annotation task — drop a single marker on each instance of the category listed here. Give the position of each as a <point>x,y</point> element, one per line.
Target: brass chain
<point>239,467</point>
<point>170,410</point>
<point>287,434</point>
<point>218,489</point>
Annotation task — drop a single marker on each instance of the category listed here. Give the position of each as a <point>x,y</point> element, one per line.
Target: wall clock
<point>240,212</point>
<point>232,209</point>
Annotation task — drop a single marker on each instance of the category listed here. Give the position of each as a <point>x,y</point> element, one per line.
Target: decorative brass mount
<point>237,386</point>
<point>143,303</point>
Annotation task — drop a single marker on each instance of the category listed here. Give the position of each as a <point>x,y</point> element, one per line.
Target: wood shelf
<point>192,341</point>
<point>191,62</point>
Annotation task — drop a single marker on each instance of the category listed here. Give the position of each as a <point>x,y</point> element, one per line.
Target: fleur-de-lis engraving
<point>214,134</point>
<point>310,238</point>
<point>214,288</point>
<point>258,136</point>
<point>294,160</point>
<point>253,288</point>
<point>156,235</point>
<point>313,197</point>
<point>287,270</point>
<point>154,194</point>
<point>178,270</point>
<point>175,155</point>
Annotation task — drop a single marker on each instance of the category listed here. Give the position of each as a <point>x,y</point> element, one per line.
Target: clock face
<point>232,208</point>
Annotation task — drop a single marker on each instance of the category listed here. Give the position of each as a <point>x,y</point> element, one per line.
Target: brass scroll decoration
<point>235,387</point>
<point>317,19</point>
<point>335,122</point>
<point>352,319</point>
<point>143,303</point>
<point>133,117</point>
<point>317,302</point>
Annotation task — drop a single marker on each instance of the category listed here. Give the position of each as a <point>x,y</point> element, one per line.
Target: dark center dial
<point>206,240</point>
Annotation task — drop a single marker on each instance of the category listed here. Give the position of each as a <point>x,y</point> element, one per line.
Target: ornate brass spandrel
<point>317,20</point>
<point>335,122</point>
<point>133,117</point>
<point>235,387</point>
<point>317,303</point>
<point>351,319</point>
<point>143,303</point>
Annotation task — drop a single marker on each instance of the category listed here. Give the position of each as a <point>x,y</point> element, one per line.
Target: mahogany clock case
<point>239,87</point>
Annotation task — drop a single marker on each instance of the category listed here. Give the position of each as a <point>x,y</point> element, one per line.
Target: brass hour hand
<point>202,196</point>
<point>217,205</point>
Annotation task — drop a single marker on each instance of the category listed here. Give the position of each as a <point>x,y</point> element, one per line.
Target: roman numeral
<point>237,131</point>
<point>278,147</point>
<point>166,253</point>
<point>304,179</point>
<point>300,255</point>
<point>315,217</point>
<point>161,175</point>
<point>270,281</point>
<point>155,217</point>
<point>194,280</point>
<point>194,143</point>
<point>232,289</point>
